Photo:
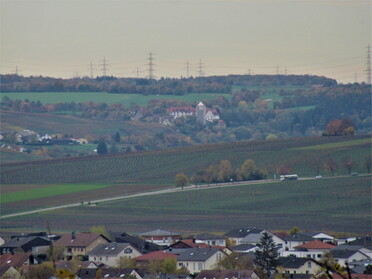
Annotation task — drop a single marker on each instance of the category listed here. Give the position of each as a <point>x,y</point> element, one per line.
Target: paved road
<point>159,192</point>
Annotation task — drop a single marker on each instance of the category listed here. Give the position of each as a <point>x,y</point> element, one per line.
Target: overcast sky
<point>61,38</point>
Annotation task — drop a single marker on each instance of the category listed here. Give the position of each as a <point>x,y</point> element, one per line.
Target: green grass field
<point>336,204</point>
<point>45,192</point>
<point>103,97</point>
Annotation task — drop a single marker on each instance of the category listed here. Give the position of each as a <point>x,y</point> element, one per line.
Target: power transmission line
<point>91,69</point>
<point>105,66</point>
<point>151,65</point>
<point>368,68</point>
<point>187,69</point>
<point>200,69</point>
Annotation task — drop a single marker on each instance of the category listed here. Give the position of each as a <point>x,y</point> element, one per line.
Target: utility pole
<point>187,69</point>
<point>104,66</point>
<point>200,69</point>
<point>368,68</point>
<point>91,69</point>
<point>151,65</point>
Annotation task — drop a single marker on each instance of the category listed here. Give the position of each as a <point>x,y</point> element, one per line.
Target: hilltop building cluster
<point>88,255</point>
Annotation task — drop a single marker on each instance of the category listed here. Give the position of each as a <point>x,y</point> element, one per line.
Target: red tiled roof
<point>316,244</point>
<point>157,255</point>
<point>16,260</point>
<point>81,239</point>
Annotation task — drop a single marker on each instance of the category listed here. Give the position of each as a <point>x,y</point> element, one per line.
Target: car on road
<point>354,174</point>
<point>318,177</point>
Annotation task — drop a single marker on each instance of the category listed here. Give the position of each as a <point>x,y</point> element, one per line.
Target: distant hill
<point>163,86</point>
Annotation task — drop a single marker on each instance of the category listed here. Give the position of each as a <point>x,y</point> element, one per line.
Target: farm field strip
<point>334,204</point>
<point>44,192</point>
<point>337,144</point>
<point>109,98</point>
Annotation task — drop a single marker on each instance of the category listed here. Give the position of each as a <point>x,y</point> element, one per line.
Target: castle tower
<point>200,112</point>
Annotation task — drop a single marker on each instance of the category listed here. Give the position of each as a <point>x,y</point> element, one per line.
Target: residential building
<point>313,249</point>
<point>198,259</point>
<point>161,237</point>
<point>110,253</point>
<point>188,243</point>
<point>296,239</point>
<point>77,244</point>
<point>344,256</point>
<point>153,256</point>
<point>294,265</point>
<point>237,235</point>
<point>210,239</point>
<point>140,244</point>
<point>227,274</point>
<point>34,244</point>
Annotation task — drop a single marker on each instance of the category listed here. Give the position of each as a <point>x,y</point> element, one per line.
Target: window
<point>200,266</point>
<point>309,264</point>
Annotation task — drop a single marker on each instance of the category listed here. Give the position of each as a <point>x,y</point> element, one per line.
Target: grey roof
<point>298,237</point>
<point>251,238</point>
<point>159,232</point>
<point>207,236</point>
<point>242,232</point>
<point>343,253</point>
<point>109,249</point>
<point>141,245</point>
<point>213,274</point>
<point>242,247</point>
<point>365,241</point>
<point>197,254</point>
<point>20,241</point>
<point>292,262</point>
<point>90,273</point>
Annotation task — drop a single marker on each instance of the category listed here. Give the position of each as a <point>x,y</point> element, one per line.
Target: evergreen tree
<point>117,137</point>
<point>102,147</point>
<point>267,254</point>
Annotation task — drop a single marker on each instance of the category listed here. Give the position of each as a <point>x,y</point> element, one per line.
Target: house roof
<point>207,236</point>
<point>222,274</point>
<point>242,247</point>
<point>15,260</point>
<point>197,254</point>
<point>157,255</point>
<point>90,273</point>
<point>190,243</point>
<point>242,232</point>
<point>21,241</point>
<point>251,238</point>
<point>159,232</point>
<point>298,237</point>
<point>343,253</point>
<point>365,241</point>
<point>318,234</point>
<point>79,240</point>
<point>141,245</point>
<point>316,244</point>
<point>110,249</point>
<point>292,262</point>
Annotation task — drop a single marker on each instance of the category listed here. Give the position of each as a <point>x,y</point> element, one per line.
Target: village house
<point>296,239</point>
<point>12,265</point>
<point>227,274</point>
<point>187,244</point>
<point>343,255</point>
<point>108,272</point>
<point>313,249</point>
<point>161,237</point>
<point>78,244</point>
<point>237,235</point>
<point>110,253</point>
<point>210,239</point>
<point>35,244</point>
<point>198,259</point>
<point>143,260</point>
<point>183,111</point>
<point>294,265</point>
<point>140,244</point>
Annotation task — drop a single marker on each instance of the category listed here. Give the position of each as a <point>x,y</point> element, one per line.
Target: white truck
<point>287,177</point>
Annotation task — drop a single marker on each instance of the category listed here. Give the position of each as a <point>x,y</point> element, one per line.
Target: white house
<point>314,249</point>
<point>212,115</point>
<point>110,253</point>
<point>344,256</point>
<point>198,259</point>
<point>210,239</point>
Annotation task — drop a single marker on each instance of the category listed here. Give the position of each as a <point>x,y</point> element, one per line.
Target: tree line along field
<point>338,204</point>
<point>303,155</point>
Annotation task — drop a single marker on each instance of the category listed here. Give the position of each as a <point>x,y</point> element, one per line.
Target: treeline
<point>224,172</point>
<point>163,86</point>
